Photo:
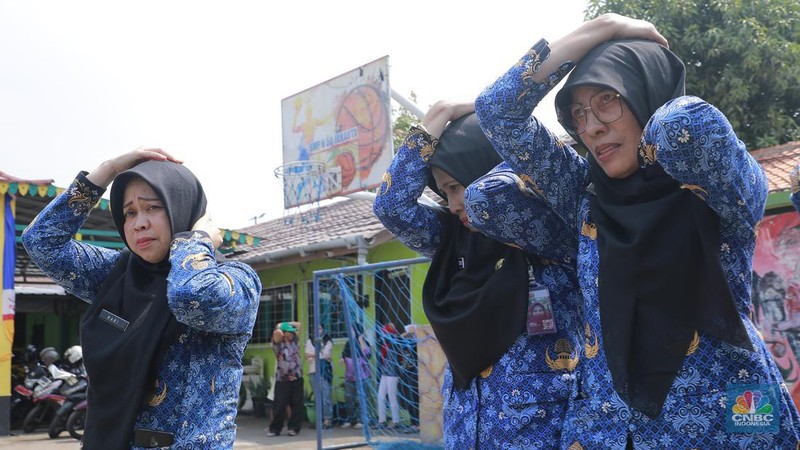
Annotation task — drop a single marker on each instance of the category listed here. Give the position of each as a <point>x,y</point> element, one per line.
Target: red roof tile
<point>778,162</point>
<point>344,218</point>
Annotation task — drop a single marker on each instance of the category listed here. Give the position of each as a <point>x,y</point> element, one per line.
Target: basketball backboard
<point>344,125</point>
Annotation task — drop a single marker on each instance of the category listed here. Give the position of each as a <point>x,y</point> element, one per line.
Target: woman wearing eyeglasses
<point>665,205</point>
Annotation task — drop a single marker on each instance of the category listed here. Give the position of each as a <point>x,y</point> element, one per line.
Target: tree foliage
<point>742,56</point>
<point>402,121</point>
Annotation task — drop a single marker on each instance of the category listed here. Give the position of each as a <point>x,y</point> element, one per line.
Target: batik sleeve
<point>416,225</point>
<point>550,169</point>
<point>207,295</point>
<point>695,144</point>
<point>502,206</point>
<point>49,239</point>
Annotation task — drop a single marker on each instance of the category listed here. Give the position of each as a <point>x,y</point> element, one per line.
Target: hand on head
<point>127,160</point>
<point>105,173</point>
<point>607,27</point>
<point>629,28</point>
<point>444,112</point>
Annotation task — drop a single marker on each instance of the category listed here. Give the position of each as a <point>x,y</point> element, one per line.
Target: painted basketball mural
<point>347,163</point>
<point>342,126</point>
<point>363,109</point>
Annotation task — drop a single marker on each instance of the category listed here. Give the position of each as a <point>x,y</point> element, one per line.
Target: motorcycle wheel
<point>56,427</point>
<point>19,410</point>
<point>75,423</point>
<point>34,418</point>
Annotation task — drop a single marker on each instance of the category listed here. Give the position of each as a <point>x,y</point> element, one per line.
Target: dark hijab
<point>660,277</point>
<point>123,364</point>
<point>475,287</point>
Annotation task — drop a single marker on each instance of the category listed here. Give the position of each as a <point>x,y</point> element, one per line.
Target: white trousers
<point>388,386</point>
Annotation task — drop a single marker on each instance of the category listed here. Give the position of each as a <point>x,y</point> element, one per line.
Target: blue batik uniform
<point>695,144</point>
<point>200,376</point>
<point>520,401</point>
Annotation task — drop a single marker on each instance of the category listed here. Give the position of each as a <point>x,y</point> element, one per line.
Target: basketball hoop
<point>304,183</point>
<point>299,167</point>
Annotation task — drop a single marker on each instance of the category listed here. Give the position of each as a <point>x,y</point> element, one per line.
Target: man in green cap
<point>288,379</point>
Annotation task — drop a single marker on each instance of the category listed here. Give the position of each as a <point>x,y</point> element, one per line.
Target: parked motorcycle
<point>50,391</point>
<point>21,404</point>
<point>74,395</point>
<point>77,420</point>
<point>24,372</point>
<point>74,388</point>
<point>46,400</point>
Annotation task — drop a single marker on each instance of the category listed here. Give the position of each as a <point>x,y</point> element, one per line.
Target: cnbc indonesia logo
<point>752,410</point>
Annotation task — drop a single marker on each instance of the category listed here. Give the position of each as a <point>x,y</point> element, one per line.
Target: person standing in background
<point>409,377</point>
<point>323,391</point>
<point>361,363</point>
<point>288,380</point>
<point>389,359</point>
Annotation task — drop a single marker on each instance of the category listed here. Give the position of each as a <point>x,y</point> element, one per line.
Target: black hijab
<point>475,293</point>
<point>660,277</point>
<point>123,364</point>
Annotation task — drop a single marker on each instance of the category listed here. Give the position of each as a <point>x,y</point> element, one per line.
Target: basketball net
<point>304,184</point>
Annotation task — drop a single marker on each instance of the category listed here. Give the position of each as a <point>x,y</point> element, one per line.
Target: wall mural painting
<point>776,293</point>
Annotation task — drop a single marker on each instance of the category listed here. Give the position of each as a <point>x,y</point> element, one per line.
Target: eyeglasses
<point>606,106</point>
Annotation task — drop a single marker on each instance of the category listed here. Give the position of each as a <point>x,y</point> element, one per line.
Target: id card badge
<point>540,311</point>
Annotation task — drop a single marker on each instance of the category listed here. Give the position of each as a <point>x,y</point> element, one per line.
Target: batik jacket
<point>198,383</point>
<point>711,403</point>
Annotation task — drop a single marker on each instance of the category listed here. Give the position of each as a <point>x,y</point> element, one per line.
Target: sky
<point>84,81</point>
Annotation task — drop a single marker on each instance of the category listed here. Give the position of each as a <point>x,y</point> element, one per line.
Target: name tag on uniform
<point>540,311</point>
<point>114,320</point>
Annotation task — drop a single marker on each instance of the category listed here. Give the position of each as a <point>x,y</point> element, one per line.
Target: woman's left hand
<point>205,224</point>
<point>444,112</point>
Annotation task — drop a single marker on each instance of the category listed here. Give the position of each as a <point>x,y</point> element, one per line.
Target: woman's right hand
<point>580,41</point>
<point>624,27</point>
<point>104,174</point>
<point>444,112</point>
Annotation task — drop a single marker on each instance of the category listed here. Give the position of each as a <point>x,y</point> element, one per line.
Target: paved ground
<point>250,435</point>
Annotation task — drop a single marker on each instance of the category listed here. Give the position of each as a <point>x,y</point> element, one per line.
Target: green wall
<point>46,330</point>
<point>302,273</point>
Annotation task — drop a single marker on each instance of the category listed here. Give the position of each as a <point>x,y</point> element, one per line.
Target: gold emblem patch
<point>564,356</point>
